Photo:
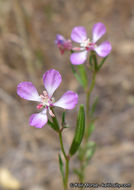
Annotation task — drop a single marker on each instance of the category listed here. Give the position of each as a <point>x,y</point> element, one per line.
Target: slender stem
<point>66,157</point>
<point>61,144</point>
<point>88,94</point>
<point>66,174</point>
<point>66,160</point>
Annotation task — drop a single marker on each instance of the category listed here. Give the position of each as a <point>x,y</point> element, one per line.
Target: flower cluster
<point>51,80</point>
<point>86,45</point>
<point>63,44</point>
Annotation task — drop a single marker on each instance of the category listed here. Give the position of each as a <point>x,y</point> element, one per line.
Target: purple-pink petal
<point>98,31</point>
<point>38,120</point>
<point>28,91</point>
<point>78,58</point>
<point>103,49</point>
<point>67,101</point>
<point>78,34</point>
<point>52,80</point>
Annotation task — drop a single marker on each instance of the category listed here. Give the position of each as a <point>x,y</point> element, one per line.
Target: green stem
<point>59,130</point>
<point>61,144</point>
<point>66,160</point>
<point>88,94</point>
<point>66,174</point>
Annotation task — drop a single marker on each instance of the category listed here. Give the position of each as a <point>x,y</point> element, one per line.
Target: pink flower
<point>79,35</point>
<point>63,44</point>
<point>51,80</point>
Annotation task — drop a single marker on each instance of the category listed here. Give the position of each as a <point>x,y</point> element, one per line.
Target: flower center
<point>46,101</point>
<point>87,44</point>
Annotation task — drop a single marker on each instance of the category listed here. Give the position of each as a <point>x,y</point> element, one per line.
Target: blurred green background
<point>29,156</point>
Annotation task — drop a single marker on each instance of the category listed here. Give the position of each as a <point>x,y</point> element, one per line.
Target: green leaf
<point>90,144</point>
<point>64,124</point>
<point>95,62</point>
<point>90,129</point>
<point>55,123</point>
<point>76,75</point>
<point>61,166</point>
<point>102,62</point>
<point>81,152</point>
<point>78,172</point>
<point>83,75</point>
<point>93,107</point>
<point>63,118</point>
<point>89,154</point>
<point>79,132</point>
<point>91,147</point>
<point>51,125</point>
<point>91,60</point>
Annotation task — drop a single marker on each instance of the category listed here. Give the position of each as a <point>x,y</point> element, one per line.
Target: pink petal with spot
<point>67,101</point>
<point>38,120</point>
<point>98,31</point>
<point>52,80</point>
<point>28,91</point>
<point>78,34</point>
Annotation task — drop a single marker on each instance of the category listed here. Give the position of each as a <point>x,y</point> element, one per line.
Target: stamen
<point>42,97</point>
<point>39,106</point>
<point>91,44</point>
<point>51,113</point>
<point>46,102</point>
<point>88,45</point>
<point>85,43</point>
<point>76,49</point>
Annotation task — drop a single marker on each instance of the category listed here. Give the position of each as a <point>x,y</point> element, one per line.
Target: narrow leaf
<point>52,125</point>
<point>91,60</point>
<point>76,75</point>
<point>63,118</point>
<point>81,152</point>
<point>79,132</point>
<point>83,75</point>
<point>91,147</point>
<point>95,62</point>
<point>102,62</point>
<point>64,124</point>
<point>90,150</point>
<point>90,144</point>
<point>93,107</point>
<point>89,154</point>
<point>78,173</point>
<point>61,166</point>
<point>55,123</point>
<point>90,129</point>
